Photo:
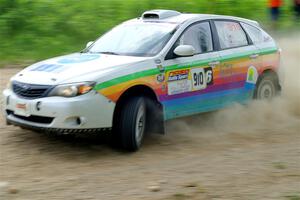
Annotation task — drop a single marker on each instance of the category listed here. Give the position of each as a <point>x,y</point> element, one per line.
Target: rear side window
<point>254,33</point>
<point>199,36</point>
<point>230,34</point>
<point>257,35</point>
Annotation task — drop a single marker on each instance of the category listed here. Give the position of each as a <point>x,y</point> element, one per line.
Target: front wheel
<point>132,123</point>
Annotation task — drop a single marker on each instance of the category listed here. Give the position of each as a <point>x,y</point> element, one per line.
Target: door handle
<point>214,63</point>
<point>254,56</point>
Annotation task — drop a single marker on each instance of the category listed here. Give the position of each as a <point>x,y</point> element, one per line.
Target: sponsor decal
<point>63,63</point>
<point>163,87</point>
<point>160,78</point>
<point>160,67</point>
<point>177,87</point>
<point>78,58</point>
<point>178,75</point>
<point>21,106</point>
<point>54,68</point>
<point>179,82</point>
<point>252,75</point>
<point>226,69</point>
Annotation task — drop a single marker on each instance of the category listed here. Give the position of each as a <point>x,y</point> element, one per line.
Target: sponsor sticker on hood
<point>63,63</point>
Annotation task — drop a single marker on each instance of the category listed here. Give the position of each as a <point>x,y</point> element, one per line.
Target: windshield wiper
<point>108,52</point>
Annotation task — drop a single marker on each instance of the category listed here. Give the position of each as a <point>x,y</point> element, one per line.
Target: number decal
<point>198,79</point>
<point>201,77</point>
<point>209,76</point>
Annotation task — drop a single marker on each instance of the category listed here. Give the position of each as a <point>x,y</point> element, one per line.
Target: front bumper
<point>86,113</point>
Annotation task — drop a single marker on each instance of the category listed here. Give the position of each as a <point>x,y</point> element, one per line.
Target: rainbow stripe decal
<point>194,88</point>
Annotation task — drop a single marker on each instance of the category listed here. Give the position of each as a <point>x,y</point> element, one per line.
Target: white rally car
<point>160,66</point>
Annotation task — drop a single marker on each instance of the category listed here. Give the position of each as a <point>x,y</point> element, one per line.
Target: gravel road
<point>245,152</point>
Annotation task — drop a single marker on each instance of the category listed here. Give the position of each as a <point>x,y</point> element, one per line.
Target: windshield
<point>143,39</point>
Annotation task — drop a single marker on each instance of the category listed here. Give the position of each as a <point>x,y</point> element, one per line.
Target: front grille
<point>32,118</point>
<point>30,91</point>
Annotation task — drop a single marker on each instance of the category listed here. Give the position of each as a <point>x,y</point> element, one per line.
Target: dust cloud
<point>282,114</point>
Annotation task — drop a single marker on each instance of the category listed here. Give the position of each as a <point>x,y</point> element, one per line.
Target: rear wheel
<point>267,86</point>
<point>132,123</point>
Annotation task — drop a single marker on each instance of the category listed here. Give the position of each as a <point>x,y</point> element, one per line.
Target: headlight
<point>72,90</point>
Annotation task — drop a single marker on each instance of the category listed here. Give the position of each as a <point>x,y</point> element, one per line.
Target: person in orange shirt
<point>274,6</point>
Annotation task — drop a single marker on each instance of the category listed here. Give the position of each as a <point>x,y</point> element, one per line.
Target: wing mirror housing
<point>184,50</point>
<point>89,44</point>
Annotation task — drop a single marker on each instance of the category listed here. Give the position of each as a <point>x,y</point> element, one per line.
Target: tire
<point>267,86</point>
<point>132,123</point>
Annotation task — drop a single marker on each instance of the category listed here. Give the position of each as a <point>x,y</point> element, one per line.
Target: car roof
<point>172,16</point>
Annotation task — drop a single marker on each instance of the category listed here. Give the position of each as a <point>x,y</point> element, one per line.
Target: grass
<point>293,197</point>
<point>35,30</point>
<point>279,165</point>
<point>180,196</point>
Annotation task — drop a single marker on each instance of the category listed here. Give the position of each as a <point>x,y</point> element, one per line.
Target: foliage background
<point>32,30</point>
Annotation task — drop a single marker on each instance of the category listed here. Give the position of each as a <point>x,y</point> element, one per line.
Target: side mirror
<point>184,50</point>
<point>89,44</point>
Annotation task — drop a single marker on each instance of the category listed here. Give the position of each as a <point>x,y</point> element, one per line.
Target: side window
<point>230,34</point>
<point>254,33</point>
<point>199,36</point>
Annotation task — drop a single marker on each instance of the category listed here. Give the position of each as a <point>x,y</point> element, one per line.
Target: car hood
<point>61,69</point>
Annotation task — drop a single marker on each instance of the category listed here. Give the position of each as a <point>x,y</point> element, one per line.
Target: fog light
<point>78,120</point>
<point>75,121</point>
<point>81,120</point>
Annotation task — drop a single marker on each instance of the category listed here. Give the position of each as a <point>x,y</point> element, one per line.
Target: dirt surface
<point>245,152</point>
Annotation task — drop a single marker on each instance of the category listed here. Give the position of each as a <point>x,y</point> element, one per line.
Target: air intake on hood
<point>159,14</point>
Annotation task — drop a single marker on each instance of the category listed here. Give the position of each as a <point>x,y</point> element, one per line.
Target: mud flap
<point>155,118</point>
